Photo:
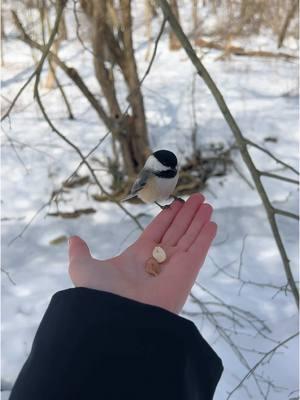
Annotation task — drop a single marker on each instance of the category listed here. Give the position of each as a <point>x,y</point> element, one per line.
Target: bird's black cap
<point>166,157</point>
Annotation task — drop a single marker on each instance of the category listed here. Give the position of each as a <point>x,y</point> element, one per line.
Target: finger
<point>78,249</point>
<point>157,228</point>
<point>185,269</point>
<point>199,249</point>
<point>182,220</point>
<point>200,219</point>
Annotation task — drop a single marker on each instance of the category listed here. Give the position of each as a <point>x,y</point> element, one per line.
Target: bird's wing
<point>139,183</point>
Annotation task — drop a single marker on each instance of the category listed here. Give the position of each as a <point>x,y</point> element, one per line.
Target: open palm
<point>183,230</point>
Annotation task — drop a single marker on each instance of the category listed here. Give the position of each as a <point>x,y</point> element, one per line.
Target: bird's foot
<point>177,198</point>
<point>163,207</point>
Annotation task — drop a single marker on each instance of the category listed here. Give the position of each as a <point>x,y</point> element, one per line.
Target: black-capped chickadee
<point>158,178</point>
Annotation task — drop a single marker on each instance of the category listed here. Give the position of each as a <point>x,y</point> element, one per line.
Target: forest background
<point>89,89</point>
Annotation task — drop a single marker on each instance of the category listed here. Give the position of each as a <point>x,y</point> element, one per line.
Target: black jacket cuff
<point>97,345</point>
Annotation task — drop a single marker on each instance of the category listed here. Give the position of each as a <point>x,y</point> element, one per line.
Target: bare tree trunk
<point>214,7</point>
<point>138,137</point>
<point>173,41</point>
<point>195,16</point>
<point>104,75</point>
<point>63,31</point>
<point>111,48</point>
<point>288,18</point>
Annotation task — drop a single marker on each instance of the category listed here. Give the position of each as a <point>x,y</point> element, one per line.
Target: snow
<point>35,162</point>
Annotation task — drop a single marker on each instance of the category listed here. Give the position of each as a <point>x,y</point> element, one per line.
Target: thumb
<point>78,249</point>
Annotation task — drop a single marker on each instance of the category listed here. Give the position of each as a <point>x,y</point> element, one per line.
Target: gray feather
<point>139,183</point>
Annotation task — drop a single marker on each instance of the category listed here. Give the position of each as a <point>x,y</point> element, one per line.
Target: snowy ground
<point>262,96</point>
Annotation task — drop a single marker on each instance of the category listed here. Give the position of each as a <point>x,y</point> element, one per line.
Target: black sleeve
<point>97,345</point>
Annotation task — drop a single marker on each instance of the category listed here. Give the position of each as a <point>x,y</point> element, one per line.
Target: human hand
<point>183,230</point>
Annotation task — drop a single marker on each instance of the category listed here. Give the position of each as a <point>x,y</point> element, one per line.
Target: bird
<point>157,180</point>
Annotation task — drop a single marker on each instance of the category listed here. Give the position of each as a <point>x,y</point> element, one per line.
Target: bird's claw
<point>178,198</point>
<point>163,207</point>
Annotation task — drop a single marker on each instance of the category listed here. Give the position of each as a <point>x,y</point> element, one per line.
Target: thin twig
<point>152,57</point>
<point>238,310</point>
<point>8,276</point>
<point>13,102</point>
<point>71,72</point>
<point>25,145</point>
<point>57,193</point>
<point>224,270</point>
<point>15,151</point>
<point>78,28</point>
<point>52,69</point>
<point>60,5</point>
<point>28,224</point>
<point>226,337</point>
<point>280,177</point>
<point>248,141</point>
<point>63,94</point>
<point>273,350</point>
<point>241,256</point>
<point>242,176</point>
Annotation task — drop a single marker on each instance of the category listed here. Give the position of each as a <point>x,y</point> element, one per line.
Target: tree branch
<point>78,151</point>
<point>239,51</point>
<point>8,276</point>
<point>12,104</point>
<point>248,141</point>
<point>20,234</point>
<point>60,5</point>
<point>286,213</point>
<point>241,141</point>
<point>273,350</point>
<point>46,52</point>
<point>63,94</point>
<point>152,57</point>
<point>223,332</point>
<point>275,176</point>
<point>71,72</point>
